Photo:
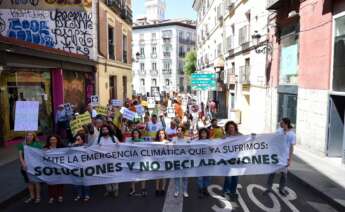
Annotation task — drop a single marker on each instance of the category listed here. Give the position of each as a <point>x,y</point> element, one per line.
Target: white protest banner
<point>140,110</point>
<point>26,116</point>
<point>129,162</point>
<point>127,114</point>
<point>171,112</point>
<point>151,102</point>
<point>116,102</point>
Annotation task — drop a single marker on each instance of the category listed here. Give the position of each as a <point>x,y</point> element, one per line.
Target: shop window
<point>74,89</point>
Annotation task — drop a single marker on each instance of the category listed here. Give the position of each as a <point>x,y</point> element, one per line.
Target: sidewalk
<point>324,175</point>
<point>12,183</point>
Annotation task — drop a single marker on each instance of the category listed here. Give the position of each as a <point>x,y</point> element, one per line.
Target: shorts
<point>25,176</point>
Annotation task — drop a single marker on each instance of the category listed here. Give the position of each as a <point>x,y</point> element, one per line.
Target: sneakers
<point>176,194</point>
<point>185,194</point>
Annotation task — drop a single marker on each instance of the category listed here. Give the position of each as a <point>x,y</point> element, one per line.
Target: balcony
<point>167,54</point>
<point>154,72</point>
<point>120,8</point>
<point>245,75</point>
<point>142,73</point>
<point>126,14</point>
<point>154,41</point>
<point>154,56</point>
<point>167,41</point>
<point>245,45</point>
<point>274,4</point>
<point>167,71</point>
<point>115,5</point>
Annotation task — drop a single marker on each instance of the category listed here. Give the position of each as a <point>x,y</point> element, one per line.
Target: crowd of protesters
<point>192,122</point>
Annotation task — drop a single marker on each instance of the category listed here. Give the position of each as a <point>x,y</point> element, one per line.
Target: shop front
<point>48,76</point>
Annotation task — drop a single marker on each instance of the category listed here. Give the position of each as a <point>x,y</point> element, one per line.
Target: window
<point>124,85</point>
<point>180,35</point>
<point>228,43</point>
<point>111,48</point>
<point>142,66</point>
<point>181,84</point>
<point>142,52</point>
<point>124,47</point>
<point>219,50</point>
<point>154,82</point>
<point>243,35</point>
<point>154,50</point>
<point>113,87</point>
<point>167,66</point>
<point>153,36</point>
<point>167,82</point>
<point>141,37</point>
<point>339,55</point>
<point>142,82</point>
<point>154,66</point>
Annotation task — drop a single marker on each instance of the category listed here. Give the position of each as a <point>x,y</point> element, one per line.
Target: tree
<point>190,63</point>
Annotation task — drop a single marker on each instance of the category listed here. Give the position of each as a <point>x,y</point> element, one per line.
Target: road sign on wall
<point>204,81</point>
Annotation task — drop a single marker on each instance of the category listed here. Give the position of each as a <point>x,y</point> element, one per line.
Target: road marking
<point>287,200</point>
<point>226,205</point>
<point>276,204</point>
<point>171,203</point>
<point>241,200</point>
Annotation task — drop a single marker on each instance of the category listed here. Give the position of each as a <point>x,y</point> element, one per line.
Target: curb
<point>323,195</point>
<point>20,195</point>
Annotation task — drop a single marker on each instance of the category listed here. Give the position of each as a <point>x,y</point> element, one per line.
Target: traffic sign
<point>204,81</point>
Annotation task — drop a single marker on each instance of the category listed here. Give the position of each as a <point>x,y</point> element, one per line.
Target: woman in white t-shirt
<point>171,131</point>
<point>178,139</point>
<point>107,137</point>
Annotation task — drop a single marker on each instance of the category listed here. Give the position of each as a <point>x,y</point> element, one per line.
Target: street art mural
<point>76,5</point>
<point>70,31</point>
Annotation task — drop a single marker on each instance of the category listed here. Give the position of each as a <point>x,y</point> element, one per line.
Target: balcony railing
<point>120,8</point>
<point>167,54</point>
<point>154,72</point>
<point>245,74</point>
<point>142,73</point>
<point>274,4</point>
<point>166,71</point>
<point>153,55</point>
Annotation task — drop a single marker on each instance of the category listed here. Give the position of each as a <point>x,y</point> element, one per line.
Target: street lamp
<point>260,47</point>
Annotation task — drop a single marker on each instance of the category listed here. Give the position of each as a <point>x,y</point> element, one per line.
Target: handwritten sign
<point>171,112</point>
<point>151,103</point>
<point>127,114</point>
<point>26,116</point>
<point>94,100</point>
<point>116,102</point>
<point>102,110</point>
<point>140,110</point>
<point>78,123</point>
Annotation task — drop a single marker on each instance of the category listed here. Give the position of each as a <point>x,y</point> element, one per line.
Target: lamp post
<point>263,47</point>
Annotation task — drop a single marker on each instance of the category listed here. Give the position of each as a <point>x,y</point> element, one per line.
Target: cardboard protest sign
<point>68,108</point>
<point>127,114</point>
<point>140,110</point>
<point>171,112</point>
<point>75,126</point>
<point>102,110</point>
<point>151,103</point>
<point>84,118</point>
<point>116,102</point>
<point>26,116</point>
<point>94,100</point>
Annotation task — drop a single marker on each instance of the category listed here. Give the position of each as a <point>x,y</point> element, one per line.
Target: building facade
<point>232,42</point>
<point>114,68</point>
<point>159,48</point>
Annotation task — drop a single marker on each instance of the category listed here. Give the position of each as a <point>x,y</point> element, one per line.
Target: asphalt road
<point>300,198</point>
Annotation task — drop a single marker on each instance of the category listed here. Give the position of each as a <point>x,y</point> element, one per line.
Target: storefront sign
<point>116,102</point>
<point>26,116</point>
<point>151,103</point>
<point>127,162</point>
<point>102,110</point>
<point>74,5</point>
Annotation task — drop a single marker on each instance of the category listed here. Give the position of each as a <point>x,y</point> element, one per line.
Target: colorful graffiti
<point>32,31</point>
<point>70,31</point>
<point>75,5</point>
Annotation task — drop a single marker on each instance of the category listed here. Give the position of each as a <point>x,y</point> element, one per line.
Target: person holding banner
<point>54,191</point>
<point>286,129</point>
<point>33,187</point>
<point>180,138</point>
<point>203,182</point>
<point>81,191</point>
<point>215,130</point>
<point>230,183</point>
<point>136,137</point>
<point>107,137</point>
<point>160,184</point>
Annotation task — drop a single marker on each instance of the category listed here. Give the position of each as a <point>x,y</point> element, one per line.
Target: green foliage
<point>190,63</point>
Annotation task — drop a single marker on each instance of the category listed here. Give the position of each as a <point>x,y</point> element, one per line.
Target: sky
<point>174,9</point>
